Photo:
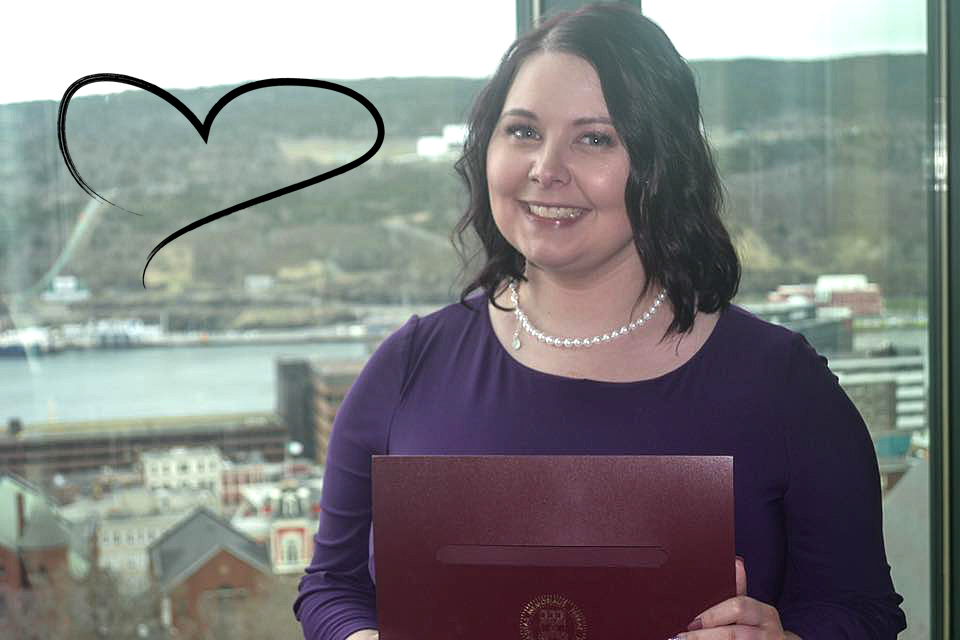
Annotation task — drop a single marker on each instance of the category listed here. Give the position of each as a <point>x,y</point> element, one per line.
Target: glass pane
<point>126,409</point>
<point>818,120</point>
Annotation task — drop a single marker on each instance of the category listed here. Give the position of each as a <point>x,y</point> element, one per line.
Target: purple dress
<point>807,487</point>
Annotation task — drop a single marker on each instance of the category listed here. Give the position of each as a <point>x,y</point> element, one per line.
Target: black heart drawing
<point>203,128</point>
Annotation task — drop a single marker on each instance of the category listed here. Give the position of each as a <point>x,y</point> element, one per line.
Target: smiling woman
<point>597,203</point>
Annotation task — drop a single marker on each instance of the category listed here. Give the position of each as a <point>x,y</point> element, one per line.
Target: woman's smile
<point>554,212</point>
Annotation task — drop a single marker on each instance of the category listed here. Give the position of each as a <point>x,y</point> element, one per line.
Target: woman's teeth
<point>555,213</point>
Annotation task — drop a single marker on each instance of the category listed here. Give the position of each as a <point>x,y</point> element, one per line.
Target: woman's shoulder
<point>441,329</point>
<point>455,317</point>
<point>762,344</point>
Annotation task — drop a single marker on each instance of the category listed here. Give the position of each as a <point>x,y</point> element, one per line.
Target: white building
<point>128,520</point>
<point>183,468</point>
<point>123,541</point>
<point>291,530</point>
<point>442,146</point>
<point>285,517</point>
<point>65,289</point>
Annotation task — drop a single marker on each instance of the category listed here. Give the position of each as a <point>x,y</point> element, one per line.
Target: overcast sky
<point>179,44</point>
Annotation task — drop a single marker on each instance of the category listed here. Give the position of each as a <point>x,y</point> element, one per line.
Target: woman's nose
<point>549,167</point>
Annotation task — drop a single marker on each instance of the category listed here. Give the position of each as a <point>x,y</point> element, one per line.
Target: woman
<point>606,328</point>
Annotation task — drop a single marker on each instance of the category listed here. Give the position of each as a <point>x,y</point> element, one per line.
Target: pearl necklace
<point>524,322</point>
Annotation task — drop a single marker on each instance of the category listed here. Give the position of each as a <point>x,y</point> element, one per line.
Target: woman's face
<point>557,171</point>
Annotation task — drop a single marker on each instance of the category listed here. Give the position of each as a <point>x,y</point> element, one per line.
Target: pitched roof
<point>45,530</point>
<point>12,485</point>
<point>184,547</point>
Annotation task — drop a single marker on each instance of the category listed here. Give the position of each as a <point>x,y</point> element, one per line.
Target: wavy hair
<point>673,194</point>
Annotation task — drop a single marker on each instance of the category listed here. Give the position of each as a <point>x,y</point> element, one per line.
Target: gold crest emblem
<point>552,617</point>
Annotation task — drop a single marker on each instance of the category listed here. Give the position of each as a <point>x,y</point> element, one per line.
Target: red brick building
<point>205,569</point>
<point>36,544</point>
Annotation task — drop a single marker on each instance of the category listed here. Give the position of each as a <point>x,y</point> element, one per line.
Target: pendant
<point>516,340</point>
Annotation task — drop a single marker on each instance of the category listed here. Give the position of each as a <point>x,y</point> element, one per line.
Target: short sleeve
<point>837,581</point>
<point>336,595</point>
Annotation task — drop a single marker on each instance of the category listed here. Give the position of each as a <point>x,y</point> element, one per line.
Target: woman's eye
<point>521,132</point>
<point>597,139</point>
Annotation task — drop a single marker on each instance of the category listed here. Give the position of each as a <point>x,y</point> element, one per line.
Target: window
<point>290,506</point>
<point>820,133</point>
<point>292,551</point>
<point>833,188</point>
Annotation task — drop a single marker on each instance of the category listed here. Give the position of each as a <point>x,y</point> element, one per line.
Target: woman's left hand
<point>738,618</point>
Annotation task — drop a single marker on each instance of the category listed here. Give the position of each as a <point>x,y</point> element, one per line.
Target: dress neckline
<point>504,354</point>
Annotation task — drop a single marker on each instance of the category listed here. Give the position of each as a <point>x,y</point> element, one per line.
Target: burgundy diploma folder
<point>550,547</point>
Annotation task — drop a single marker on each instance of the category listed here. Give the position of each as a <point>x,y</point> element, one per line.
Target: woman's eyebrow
<point>595,120</point>
<point>526,113</point>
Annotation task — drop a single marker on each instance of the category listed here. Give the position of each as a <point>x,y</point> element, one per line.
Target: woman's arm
<point>336,599</point>
<point>837,581</point>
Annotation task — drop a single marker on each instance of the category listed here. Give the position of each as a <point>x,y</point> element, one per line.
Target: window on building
<point>292,551</point>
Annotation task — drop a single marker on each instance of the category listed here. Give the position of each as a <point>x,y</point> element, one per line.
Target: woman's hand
<point>739,618</point>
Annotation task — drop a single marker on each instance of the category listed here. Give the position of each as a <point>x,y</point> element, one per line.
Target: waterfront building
<point>308,396</point>
<point>846,291</point>
<point>42,449</point>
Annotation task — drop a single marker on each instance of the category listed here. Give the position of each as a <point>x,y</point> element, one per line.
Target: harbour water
<point>130,383</point>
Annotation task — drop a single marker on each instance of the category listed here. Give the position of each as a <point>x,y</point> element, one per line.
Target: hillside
<point>823,164</point>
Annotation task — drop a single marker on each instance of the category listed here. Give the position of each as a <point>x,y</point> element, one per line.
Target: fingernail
<point>696,624</point>
<point>740,558</point>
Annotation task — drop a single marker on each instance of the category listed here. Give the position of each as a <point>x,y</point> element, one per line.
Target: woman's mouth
<point>554,213</point>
